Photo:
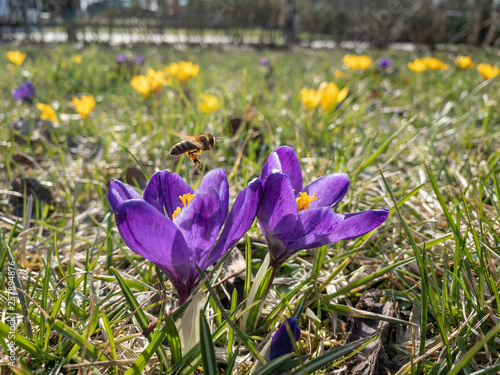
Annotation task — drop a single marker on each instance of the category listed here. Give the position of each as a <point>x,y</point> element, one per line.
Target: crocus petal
<point>329,189</point>
<point>163,192</point>
<point>284,160</point>
<point>199,223</point>
<point>281,343</point>
<point>278,209</point>
<point>217,180</point>
<point>238,222</point>
<point>154,237</point>
<point>354,225</point>
<point>315,224</point>
<point>119,192</point>
<point>277,215</point>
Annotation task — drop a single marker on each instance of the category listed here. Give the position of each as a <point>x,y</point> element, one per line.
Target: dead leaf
<point>373,358</point>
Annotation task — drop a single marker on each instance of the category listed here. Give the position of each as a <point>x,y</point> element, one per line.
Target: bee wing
<point>193,139</point>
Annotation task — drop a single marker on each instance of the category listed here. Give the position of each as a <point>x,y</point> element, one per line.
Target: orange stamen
<point>186,198</point>
<point>304,200</point>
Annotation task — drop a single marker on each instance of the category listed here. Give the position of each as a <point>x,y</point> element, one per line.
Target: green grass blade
<point>271,366</point>
<point>328,357</point>
<point>24,343</point>
<point>174,341</point>
<point>139,314</point>
<point>142,360</point>
<point>207,347</point>
<point>465,359</point>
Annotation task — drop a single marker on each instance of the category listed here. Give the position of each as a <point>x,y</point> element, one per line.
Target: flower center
<point>186,198</point>
<point>304,200</point>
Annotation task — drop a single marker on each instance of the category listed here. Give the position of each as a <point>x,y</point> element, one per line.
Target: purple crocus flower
<point>385,62</point>
<point>139,60</point>
<point>281,343</point>
<point>25,92</point>
<point>121,58</point>
<point>264,61</point>
<point>177,228</point>
<point>293,217</point>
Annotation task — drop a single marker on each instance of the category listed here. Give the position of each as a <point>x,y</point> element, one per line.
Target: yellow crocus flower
<point>339,74</point>
<point>16,57</point>
<point>417,66</point>
<point>77,59</point>
<point>183,70</point>
<point>84,105</point>
<point>357,62</point>
<point>48,112</point>
<point>310,98</point>
<point>141,84</point>
<point>434,63</point>
<point>330,95</point>
<point>187,70</point>
<point>488,71</point>
<point>464,62</point>
<point>208,104</point>
<point>156,79</point>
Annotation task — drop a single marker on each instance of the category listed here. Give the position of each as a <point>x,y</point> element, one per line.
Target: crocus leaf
<point>207,347</point>
<point>174,342</point>
<point>231,363</point>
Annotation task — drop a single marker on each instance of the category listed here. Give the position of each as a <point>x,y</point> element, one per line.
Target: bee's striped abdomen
<point>181,148</point>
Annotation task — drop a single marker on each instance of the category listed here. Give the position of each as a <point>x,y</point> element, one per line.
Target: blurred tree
<point>69,11</point>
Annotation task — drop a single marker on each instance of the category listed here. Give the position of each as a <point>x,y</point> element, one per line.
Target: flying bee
<point>193,145</point>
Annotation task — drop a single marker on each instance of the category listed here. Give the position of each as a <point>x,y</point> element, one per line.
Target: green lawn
<point>425,143</point>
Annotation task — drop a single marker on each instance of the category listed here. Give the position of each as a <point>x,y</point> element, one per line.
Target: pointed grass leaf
<point>271,366</point>
<point>142,360</point>
<point>254,313</point>
<point>465,359</point>
<point>326,358</point>
<point>109,332</point>
<point>351,311</point>
<point>244,338</point>
<point>138,163</point>
<point>231,363</point>
<point>251,296</point>
<point>139,314</point>
<point>421,261</point>
<point>366,279</point>
<point>19,287</point>
<point>207,347</point>
<point>24,343</point>
<point>174,341</point>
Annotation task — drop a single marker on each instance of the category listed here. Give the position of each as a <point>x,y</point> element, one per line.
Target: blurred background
<point>269,23</point>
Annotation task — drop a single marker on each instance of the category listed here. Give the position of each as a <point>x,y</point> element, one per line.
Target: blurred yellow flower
<point>156,79</point>
<point>434,63</point>
<point>16,57</point>
<point>84,105</point>
<point>48,112</point>
<point>208,104</point>
<point>488,71</point>
<point>417,66</point>
<point>339,74</point>
<point>310,98</point>
<point>357,62</point>
<point>183,70</point>
<point>141,84</point>
<point>464,62</point>
<point>77,59</point>
<point>330,95</point>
